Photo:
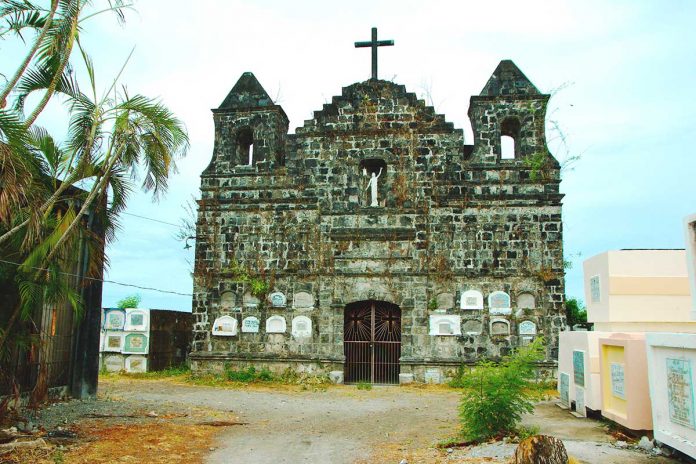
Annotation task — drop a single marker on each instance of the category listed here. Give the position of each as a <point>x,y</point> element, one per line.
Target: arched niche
<point>444,325</point>
<point>526,301</point>
<point>301,327</point>
<point>471,299</point>
<point>137,320</point>
<point>499,327</point>
<point>228,301</point>
<point>276,324</point>
<point>499,303</point>
<point>225,326</point>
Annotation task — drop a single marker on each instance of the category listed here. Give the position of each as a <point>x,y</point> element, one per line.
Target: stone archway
<point>372,342</point>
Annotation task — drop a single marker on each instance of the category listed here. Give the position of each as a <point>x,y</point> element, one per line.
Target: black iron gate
<point>372,342</point>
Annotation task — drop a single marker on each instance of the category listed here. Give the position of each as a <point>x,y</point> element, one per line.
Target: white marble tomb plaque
<point>250,324</point>
<point>225,326</point>
<point>276,324</point>
<point>527,328</point>
<point>113,341</point>
<point>499,303</point>
<point>445,325</point>
<point>136,343</point>
<point>680,392</point>
<point>564,389</point>
<point>579,367</point>
<point>595,294</point>
<point>278,299</point>
<point>471,299</point>
<point>303,300</point>
<point>433,375</point>
<point>580,401</point>
<point>137,320</point>
<point>618,386</point>
<point>301,327</point>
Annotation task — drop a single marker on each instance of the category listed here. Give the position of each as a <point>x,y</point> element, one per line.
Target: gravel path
<point>342,424</point>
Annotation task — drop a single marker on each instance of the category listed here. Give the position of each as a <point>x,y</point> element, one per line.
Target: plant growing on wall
<point>497,395</point>
<point>131,301</point>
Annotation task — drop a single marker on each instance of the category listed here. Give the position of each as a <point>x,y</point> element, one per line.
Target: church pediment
<point>376,105</point>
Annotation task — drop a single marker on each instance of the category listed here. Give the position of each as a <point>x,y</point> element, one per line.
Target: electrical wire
<point>151,219</point>
<point>104,280</point>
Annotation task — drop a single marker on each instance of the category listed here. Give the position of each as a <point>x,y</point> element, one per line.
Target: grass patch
<point>364,386</point>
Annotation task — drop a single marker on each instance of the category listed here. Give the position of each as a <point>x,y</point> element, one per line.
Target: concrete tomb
<point>250,301</point>
<point>137,320</point>
<point>228,301</point>
<point>113,341</point>
<point>564,389</point>
<point>113,362</point>
<point>500,327</point>
<point>303,300</point>
<point>526,301</point>
<point>114,319</point>
<point>445,301</point>
<point>135,343</point>
<point>136,364</point>
<point>225,326</point>
<point>472,327</point>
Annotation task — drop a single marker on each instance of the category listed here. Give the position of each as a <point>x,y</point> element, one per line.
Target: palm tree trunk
<point>10,324</point>
<point>25,64</point>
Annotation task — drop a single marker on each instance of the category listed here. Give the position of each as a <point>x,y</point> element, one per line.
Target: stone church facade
<point>374,241</point>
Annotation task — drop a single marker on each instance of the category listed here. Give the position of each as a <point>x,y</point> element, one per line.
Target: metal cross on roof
<point>374,43</point>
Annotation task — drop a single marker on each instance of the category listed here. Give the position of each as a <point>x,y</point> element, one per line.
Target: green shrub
<point>496,396</point>
<point>131,301</point>
<point>364,386</point>
<point>248,375</point>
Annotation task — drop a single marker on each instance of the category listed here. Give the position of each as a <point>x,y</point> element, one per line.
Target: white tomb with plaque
<point>225,326</point>
<point>499,303</point>
<point>113,362</point>
<point>114,319</point>
<point>472,300</point>
<point>301,327</point>
<point>277,299</point>
<point>136,364</point>
<point>303,300</point>
<point>445,325</point>
<point>276,324</point>
<point>137,320</point>
<point>250,325</point>
<point>113,342</point>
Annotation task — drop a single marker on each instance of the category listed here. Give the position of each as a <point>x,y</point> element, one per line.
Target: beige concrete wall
<point>588,342</point>
<point>690,236</point>
<point>639,286</point>
<point>621,326</point>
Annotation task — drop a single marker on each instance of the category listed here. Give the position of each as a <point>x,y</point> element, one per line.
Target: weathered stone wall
<point>451,217</point>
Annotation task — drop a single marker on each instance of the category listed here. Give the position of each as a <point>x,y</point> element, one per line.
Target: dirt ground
<point>167,421</point>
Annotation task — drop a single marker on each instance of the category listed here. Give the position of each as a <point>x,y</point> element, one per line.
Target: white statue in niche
<point>372,185</point>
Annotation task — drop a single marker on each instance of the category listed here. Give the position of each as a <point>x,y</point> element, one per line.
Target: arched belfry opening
<point>510,138</point>
<point>245,147</point>
<point>372,342</point>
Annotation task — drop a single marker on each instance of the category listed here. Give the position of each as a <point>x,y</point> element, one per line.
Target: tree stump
<point>541,449</point>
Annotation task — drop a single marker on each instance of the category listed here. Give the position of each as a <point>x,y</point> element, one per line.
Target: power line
<point>151,219</point>
<point>104,280</point>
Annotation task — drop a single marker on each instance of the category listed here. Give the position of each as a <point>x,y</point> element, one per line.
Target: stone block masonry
<point>291,214</point>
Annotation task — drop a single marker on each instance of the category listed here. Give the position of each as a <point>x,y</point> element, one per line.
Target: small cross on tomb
<point>374,43</point>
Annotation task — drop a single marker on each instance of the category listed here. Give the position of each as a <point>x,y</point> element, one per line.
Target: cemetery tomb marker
<point>500,327</point>
<point>445,301</point>
<point>250,325</point>
<point>579,367</point>
<point>250,301</point>
<point>594,289</point>
<point>618,387</point>
<point>113,342</point>
<point>526,301</point>
<point>564,387</point>
<point>136,343</point>
<point>680,392</point>
<point>433,376</point>
<point>472,327</point>
<point>228,301</point>
<point>580,401</point>
<point>137,320</point>
<point>499,303</point>
<point>115,319</point>
<point>303,300</point>
<point>527,328</point>
<point>225,326</point>
<point>278,300</point>
<point>301,327</point>
<point>471,299</point>
<point>113,363</point>
<point>136,364</point>
<point>276,324</point>
<point>445,325</point>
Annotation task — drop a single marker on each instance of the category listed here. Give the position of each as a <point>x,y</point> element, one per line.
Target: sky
<point>621,74</point>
